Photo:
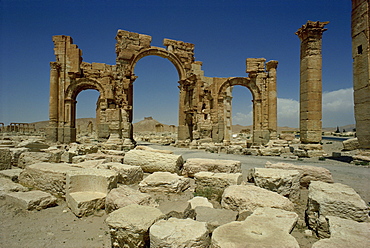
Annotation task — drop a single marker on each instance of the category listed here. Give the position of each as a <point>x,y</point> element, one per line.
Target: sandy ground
<point>59,227</point>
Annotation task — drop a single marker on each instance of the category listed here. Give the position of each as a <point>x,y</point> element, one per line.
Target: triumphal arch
<point>204,102</point>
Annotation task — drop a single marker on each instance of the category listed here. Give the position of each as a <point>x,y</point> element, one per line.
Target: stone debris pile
<point>153,198</point>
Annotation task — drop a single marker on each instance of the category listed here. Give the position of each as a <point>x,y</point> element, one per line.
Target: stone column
<point>52,132</point>
<point>272,97</point>
<point>361,69</point>
<point>310,35</point>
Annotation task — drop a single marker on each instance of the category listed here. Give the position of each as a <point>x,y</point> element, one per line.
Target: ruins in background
<point>361,69</point>
<point>204,102</point>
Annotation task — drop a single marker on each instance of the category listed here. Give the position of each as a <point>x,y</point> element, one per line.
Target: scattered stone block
<point>309,173</point>
<point>179,233</point>
<point>11,174</point>
<point>164,182</point>
<point>28,158</point>
<point>7,185</point>
<point>31,200</point>
<point>284,182</point>
<point>325,199</point>
<point>266,227</point>
<point>213,185</point>
<point>177,209</point>
<point>345,233</point>
<point>200,201</point>
<point>195,165</point>
<point>127,174</point>
<point>16,153</point>
<point>270,151</point>
<point>250,197</point>
<point>86,190</point>
<point>123,196</point>
<point>351,144</point>
<point>147,148</point>
<point>88,164</point>
<point>154,161</point>
<point>5,159</point>
<point>129,226</point>
<point>214,217</point>
<point>48,177</point>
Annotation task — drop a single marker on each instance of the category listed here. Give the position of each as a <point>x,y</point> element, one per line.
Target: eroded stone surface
<point>214,217</point>
<point>31,200</point>
<point>325,199</point>
<point>164,182</point>
<point>179,233</point>
<point>129,226</point>
<point>250,197</point>
<point>195,165</point>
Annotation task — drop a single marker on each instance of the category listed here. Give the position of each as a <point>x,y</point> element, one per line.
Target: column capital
<point>311,29</point>
<point>272,64</point>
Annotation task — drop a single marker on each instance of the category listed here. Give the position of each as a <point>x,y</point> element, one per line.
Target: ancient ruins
<point>361,69</point>
<point>204,102</point>
<point>149,193</point>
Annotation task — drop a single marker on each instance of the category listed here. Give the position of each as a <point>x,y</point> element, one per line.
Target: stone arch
<point>224,104</point>
<point>161,52</point>
<point>84,84</point>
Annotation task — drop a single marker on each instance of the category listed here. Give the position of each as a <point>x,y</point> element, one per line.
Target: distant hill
<point>149,125</point>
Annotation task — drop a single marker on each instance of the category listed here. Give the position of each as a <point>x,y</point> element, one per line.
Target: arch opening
<point>155,93</point>
<point>86,114</point>
<point>242,112</point>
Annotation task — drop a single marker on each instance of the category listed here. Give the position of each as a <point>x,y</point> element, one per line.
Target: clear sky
<point>225,33</point>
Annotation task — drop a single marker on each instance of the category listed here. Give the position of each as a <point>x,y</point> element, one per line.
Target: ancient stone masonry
<point>204,102</point>
<point>361,69</point>
<point>310,35</point>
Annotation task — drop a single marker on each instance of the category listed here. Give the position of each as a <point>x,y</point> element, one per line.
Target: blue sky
<point>225,33</point>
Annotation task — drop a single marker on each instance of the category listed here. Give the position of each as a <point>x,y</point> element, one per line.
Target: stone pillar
<point>361,69</point>
<point>272,97</point>
<point>310,35</point>
<point>52,130</point>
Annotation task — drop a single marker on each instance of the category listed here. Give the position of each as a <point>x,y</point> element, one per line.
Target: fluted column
<point>310,35</point>
<point>272,98</point>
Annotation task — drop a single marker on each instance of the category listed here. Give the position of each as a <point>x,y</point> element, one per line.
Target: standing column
<point>310,35</point>
<point>272,98</point>
<point>53,101</point>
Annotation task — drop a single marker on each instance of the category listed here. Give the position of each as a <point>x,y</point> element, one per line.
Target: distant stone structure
<point>361,69</point>
<point>310,123</point>
<point>204,102</point>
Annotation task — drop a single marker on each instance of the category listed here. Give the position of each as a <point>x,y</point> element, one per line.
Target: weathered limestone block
<point>266,227</point>
<point>345,233</point>
<point>129,226</point>
<point>270,151</point>
<point>88,164</point>
<point>213,184</point>
<point>82,149</point>
<point>287,136</point>
<point>147,148</point>
<point>123,196</point>
<point>154,161</point>
<point>195,165</point>
<point>5,159</point>
<point>106,157</point>
<point>86,189</point>
<point>16,153</point>
<point>127,174</point>
<point>28,158</point>
<point>250,197</point>
<point>11,174</point>
<point>326,199</point>
<point>309,173</point>
<point>214,217</point>
<point>31,200</point>
<point>49,177</point>
<point>7,185</point>
<point>177,209</point>
<point>350,144</point>
<point>179,233</point>
<point>164,182</point>
<point>284,182</point>
<point>200,201</point>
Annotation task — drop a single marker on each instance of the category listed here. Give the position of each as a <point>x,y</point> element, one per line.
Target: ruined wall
<point>361,69</point>
<point>204,102</point>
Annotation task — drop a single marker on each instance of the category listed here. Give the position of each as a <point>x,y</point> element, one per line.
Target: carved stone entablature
<point>311,29</point>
